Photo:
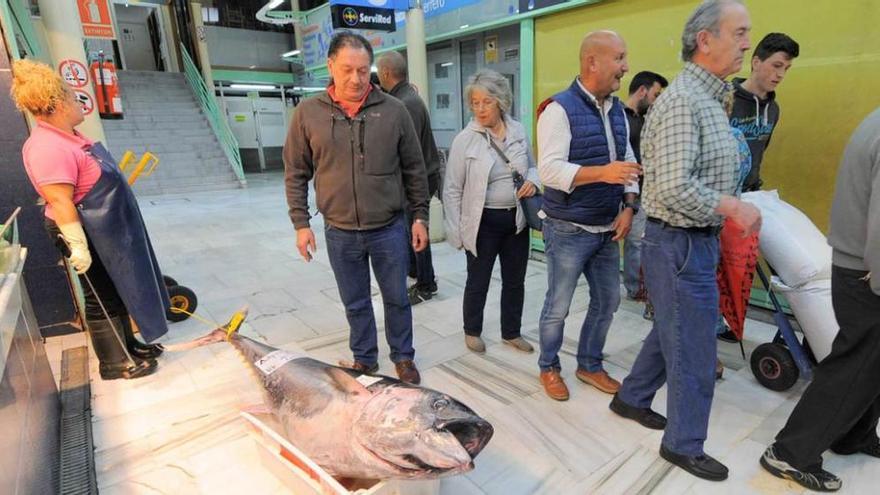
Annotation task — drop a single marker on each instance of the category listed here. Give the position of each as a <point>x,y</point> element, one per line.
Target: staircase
<point>163,117</point>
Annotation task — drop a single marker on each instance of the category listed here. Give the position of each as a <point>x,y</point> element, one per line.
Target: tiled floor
<point>178,431</point>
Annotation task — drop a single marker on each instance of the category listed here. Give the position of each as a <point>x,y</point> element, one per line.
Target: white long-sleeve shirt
<point>554,140</point>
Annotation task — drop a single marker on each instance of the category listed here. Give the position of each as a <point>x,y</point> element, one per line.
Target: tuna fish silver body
<point>364,426</point>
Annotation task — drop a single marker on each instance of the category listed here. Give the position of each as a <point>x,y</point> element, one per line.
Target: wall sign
<point>356,17</point>
<point>86,100</point>
<point>95,18</point>
<point>74,73</point>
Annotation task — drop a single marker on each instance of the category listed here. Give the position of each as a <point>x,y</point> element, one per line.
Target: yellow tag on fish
<point>234,323</point>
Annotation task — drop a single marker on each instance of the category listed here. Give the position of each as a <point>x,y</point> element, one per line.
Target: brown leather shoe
<point>363,368</point>
<point>407,372</point>
<point>599,379</point>
<point>553,385</point>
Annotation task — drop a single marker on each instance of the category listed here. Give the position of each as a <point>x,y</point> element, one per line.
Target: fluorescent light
<point>274,3</point>
<point>375,69</point>
<point>255,87</point>
<point>447,64</point>
<point>291,53</point>
<point>309,88</point>
<point>464,26</point>
<point>252,67</point>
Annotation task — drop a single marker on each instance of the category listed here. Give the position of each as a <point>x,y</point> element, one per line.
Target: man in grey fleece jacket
<point>360,147</point>
<point>841,407</point>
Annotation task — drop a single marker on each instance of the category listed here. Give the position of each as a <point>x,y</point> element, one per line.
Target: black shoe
<point>645,417</point>
<point>418,295</point>
<point>135,347</point>
<point>871,450</point>
<point>145,351</point>
<point>728,336</point>
<point>820,481</point>
<point>127,371</point>
<point>702,466</point>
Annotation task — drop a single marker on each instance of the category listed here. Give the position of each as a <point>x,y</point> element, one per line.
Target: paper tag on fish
<point>367,380</point>
<point>269,363</point>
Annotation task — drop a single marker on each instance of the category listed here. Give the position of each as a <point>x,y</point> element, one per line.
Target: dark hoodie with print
<point>756,118</point>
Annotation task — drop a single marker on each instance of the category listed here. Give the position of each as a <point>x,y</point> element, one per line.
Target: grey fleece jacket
<point>366,169</point>
<point>855,213</point>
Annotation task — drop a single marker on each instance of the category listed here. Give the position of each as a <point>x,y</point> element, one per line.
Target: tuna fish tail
<point>219,334</point>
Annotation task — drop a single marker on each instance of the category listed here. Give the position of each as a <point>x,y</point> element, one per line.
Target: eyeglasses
<point>477,105</point>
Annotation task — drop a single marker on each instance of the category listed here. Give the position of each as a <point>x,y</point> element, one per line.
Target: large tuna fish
<point>363,426</point>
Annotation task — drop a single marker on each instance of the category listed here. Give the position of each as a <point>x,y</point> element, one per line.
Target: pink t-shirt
<point>52,156</point>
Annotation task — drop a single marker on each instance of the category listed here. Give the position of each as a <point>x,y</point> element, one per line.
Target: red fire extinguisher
<point>106,88</point>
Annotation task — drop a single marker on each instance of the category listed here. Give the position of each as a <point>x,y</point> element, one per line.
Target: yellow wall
<point>832,86</point>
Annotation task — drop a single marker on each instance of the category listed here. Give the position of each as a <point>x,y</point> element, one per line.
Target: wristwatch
<point>633,205</point>
<point>421,221</point>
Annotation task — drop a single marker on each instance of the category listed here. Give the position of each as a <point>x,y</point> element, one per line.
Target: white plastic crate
<point>304,477</point>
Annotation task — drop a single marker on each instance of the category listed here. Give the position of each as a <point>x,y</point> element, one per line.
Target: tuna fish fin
<point>345,382</point>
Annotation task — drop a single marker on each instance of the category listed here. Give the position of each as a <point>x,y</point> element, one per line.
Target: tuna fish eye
<point>440,404</point>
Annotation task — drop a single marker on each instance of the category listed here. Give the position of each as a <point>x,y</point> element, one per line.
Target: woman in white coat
<point>482,208</point>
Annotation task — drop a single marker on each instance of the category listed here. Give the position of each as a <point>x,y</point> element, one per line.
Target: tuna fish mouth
<point>472,435</point>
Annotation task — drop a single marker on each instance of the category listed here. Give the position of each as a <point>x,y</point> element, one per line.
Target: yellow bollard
<point>148,159</point>
<point>126,158</point>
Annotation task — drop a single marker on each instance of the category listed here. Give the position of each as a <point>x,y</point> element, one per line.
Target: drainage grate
<point>77,446</point>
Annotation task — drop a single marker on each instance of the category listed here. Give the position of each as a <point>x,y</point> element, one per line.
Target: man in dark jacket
<point>361,149</point>
<point>643,90</point>
<point>755,111</point>
<point>840,408</point>
<point>393,78</point>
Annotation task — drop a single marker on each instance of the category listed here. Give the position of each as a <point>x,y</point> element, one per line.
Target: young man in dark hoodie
<point>755,111</point>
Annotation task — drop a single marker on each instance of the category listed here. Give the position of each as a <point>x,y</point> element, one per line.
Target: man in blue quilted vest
<point>591,180</point>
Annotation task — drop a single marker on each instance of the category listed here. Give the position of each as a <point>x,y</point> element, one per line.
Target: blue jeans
<point>681,349</point>
<point>351,254</point>
<point>571,251</point>
<point>632,254</point>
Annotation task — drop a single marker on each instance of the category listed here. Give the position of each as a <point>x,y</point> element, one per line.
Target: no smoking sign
<point>86,100</point>
<point>74,73</point>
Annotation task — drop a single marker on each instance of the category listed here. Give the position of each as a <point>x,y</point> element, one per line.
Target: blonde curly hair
<point>36,88</point>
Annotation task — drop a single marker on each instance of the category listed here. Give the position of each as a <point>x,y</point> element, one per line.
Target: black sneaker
<point>820,481</point>
<point>417,294</point>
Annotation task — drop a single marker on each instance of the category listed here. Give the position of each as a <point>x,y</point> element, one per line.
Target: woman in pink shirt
<point>89,205</point>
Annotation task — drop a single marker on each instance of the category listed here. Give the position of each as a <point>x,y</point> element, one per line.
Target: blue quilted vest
<point>597,203</point>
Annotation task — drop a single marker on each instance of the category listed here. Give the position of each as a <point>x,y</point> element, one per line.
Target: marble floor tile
<point>179,431</point>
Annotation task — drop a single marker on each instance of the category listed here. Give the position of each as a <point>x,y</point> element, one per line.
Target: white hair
<point>706,17</point>
<point>495,85</point>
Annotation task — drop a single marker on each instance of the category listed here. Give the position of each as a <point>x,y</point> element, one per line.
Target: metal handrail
<point>215,117</point>
<point>20,21</point>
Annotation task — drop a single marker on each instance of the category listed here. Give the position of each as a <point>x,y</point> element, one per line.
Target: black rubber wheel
<point>169,282</point>
<point>182,299</point>
<point>773,367</point>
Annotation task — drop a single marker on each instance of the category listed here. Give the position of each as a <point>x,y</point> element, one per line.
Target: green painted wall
<point>832,86</point>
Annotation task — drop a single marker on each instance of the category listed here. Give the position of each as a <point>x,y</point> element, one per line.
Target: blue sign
<point>437,7</point>
<point>381,4</point>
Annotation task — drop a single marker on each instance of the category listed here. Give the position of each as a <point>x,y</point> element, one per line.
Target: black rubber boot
<point>136,348</point>
<point>113,362</point>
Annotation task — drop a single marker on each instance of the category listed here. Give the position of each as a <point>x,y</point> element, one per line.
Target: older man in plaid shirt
<point>690,161</point>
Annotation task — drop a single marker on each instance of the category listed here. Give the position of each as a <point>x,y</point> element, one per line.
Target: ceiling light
<point>254,87</point>
<point>447,64</point>
<point>464,26</point>
<point>291,53</point>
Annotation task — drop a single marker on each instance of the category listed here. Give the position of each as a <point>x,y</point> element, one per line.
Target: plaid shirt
<point>689,154</point>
